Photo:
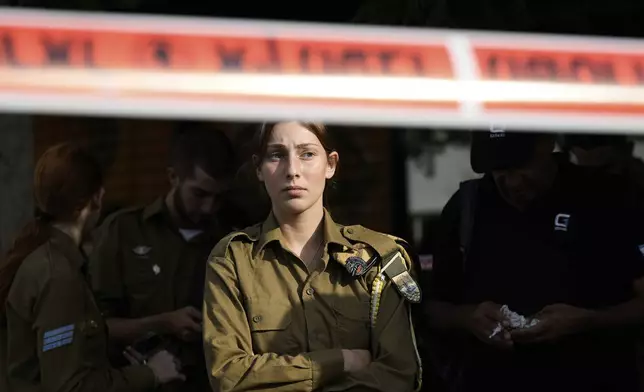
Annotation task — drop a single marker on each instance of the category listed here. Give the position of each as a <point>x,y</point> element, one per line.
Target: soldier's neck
<point>74,230</point>
<point>302,231</point>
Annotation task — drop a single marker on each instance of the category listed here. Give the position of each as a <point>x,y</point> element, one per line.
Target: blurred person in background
<point>608,153</point>
<point>53,337</point>
<point>611,154</point>
<point>148,263</point>
<point>289,302</point>
<point>555,243</point>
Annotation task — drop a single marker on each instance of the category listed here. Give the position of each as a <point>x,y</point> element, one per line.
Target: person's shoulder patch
<point>397,268</point>
<point>394,260</point>
<point>59,337</point>
<point>358,260</point>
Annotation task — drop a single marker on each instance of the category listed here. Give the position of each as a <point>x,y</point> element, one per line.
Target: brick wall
<point>135,155</point>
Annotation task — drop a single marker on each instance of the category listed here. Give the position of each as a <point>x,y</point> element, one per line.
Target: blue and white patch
<point>58,337</point>
<point>641,248</point>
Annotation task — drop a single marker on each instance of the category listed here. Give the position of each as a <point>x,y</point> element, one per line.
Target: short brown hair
<point>199,145</point>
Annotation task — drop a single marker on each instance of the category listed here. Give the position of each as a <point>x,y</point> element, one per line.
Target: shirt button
<point>310,291</point>
<point>257,319</point>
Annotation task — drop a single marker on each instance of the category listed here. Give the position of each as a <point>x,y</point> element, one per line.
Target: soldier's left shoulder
<point>359,233</point>
<point>384,244</point>
<point>397,258</point>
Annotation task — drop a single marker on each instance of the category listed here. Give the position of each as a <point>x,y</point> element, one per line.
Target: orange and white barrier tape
<point>144,66</point>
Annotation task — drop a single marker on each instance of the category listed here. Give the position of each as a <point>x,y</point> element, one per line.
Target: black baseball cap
<point>497,149</point>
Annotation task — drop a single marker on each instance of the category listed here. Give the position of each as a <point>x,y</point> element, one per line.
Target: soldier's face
<point>295,168</point>
<point>199,197</point>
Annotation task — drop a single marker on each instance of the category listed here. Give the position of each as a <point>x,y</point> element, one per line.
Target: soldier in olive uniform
<point>300,303</point>
<point>148,263</point>
<point>52,334</point>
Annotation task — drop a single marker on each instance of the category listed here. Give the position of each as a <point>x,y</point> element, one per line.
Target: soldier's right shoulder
<point>32,276</point>
<point>37,264</point>
<point>237,240</point>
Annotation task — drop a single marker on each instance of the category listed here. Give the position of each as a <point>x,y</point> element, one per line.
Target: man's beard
<point>185,221</point>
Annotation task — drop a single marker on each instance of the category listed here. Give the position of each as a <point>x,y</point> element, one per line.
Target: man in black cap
<point>539,237</point>
<point>607,153</point>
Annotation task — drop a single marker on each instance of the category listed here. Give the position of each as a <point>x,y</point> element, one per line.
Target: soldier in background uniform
<point>300,302</point>
<point>148,263</point>
<point>52,335</point>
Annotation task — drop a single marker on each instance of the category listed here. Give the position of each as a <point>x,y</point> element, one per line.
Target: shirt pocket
<point>270,326</point>
<point>352,322</point>
<point>142,276</point>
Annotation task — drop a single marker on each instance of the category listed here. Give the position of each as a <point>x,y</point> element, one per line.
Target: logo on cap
<point>561,222</point>
<point>496,132</point>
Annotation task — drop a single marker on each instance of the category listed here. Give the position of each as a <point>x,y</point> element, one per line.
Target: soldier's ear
<point>258,168</point>
<point>97,199</point>
<point>332,164</point>
<point>173,177</point>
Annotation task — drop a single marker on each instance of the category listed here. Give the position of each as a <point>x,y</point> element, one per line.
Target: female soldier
<point>54,338</point>
<point>287,304</point>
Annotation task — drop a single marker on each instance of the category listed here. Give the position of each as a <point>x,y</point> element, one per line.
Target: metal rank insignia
<point>395,268</point>
<point>358,267</point>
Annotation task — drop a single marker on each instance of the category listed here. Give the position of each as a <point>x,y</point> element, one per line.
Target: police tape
<point>151,66</point>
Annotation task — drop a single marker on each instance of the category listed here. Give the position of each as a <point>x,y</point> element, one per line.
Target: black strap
<point>469,198</point>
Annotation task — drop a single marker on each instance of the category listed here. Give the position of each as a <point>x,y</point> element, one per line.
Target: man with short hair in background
<point>148,263</point>
<point>555,243</point>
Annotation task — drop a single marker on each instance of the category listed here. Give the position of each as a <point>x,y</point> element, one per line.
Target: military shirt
<point>142,266</point>
<point>269,324</point>
<point>56,339</point>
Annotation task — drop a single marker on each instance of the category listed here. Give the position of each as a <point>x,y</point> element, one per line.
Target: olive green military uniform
<point>141,266</point>
<point>269,324</point>
<point>56,339</point>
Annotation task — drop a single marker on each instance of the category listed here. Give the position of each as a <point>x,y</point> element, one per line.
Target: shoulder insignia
<point>391,253</point>
<point>58,337</point>
<point>410,255</point>
<point>357,260</point>
<point>395,267</point>
<point>141,250</point>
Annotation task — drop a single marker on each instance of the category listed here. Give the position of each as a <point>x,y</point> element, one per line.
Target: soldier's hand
<point>482,321</point>
<point>165,367</point>
<point>356,360</point>
<point>133,356</point>
<point>184,323</point>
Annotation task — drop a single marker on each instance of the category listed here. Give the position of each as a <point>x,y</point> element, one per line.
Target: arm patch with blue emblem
<point>58,337</point>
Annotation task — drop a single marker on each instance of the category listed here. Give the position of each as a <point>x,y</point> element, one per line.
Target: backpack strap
<point>469,198</point>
